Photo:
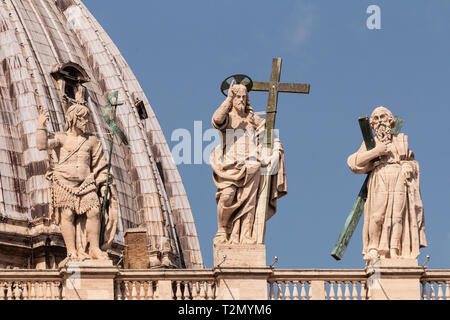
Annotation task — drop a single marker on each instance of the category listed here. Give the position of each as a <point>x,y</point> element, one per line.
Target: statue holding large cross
<point>249,165</point>
<point>394,225</point>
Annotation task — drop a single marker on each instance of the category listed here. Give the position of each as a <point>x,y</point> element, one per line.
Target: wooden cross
<point>273,87</point>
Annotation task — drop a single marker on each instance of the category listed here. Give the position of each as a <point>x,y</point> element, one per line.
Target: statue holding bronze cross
<point>248,166</point>
<point>78,186</point>
<point>393,212</point>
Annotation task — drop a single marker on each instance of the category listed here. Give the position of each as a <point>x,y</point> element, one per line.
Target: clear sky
<point>180,51</point>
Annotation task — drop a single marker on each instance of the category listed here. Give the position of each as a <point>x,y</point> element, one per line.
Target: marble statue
<point>393,213</point>
<point>78,185</point>
<point>238,164</point>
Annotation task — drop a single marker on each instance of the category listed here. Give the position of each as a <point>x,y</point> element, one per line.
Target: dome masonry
<point>52,54</point>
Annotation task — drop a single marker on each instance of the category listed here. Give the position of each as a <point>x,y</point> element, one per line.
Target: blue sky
<point>180,51</point>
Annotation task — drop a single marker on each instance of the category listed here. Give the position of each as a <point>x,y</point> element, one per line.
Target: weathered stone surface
<point>394,225</point>
<point>239,164</point>
<point>38,39</point>
<point>240,255</point>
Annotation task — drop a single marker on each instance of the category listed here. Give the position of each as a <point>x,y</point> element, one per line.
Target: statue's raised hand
<point>231,92</point>
<point>43,118</point>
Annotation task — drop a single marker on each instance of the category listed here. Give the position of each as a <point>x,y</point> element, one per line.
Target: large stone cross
<point>274,86</point>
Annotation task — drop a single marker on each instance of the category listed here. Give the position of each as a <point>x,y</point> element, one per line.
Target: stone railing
<point>165,285</point>
<point>204,284</point>
<point>31,285</point>
<point>315,284</point>
<point>435,285</point>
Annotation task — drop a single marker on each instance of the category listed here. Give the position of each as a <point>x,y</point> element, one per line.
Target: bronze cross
<point>274,87</point>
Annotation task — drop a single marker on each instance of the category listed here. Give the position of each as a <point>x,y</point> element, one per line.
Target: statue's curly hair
<point>75,111</point>
<point>385,110</point>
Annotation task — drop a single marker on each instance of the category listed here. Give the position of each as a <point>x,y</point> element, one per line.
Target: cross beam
<point>274,86</point>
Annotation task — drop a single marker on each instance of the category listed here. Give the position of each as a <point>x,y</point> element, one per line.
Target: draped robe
<point>391,196</point>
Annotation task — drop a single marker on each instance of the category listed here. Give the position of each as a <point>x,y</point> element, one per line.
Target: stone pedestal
<point>394,279</point>
<point>251,255</point>
<point>242,283</point>
<point>89,280</point>
<point>241,272</point>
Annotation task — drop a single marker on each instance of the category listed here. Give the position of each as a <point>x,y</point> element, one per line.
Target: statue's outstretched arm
<point>42,141</point>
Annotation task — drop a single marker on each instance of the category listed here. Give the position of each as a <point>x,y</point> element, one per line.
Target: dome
<point>51,54</point>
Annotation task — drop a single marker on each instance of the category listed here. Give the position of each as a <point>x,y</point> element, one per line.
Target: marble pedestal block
<point>252,255</point>
<point>241,272</point>
<point>394,279</point>
<point>89,280</point>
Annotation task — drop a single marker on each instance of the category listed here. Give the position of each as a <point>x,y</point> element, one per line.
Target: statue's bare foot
<point>98,254</point>
<point>220,238</point>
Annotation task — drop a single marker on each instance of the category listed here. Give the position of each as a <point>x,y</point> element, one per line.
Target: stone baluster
<point>56,285</point>
<point>447,291</point>
<point>424,290</point>
<point>63,291</point>
<point>304,294</point>
<point>195,290</point>
<point>271,291</point>
<point>156,292</point>
<point>279,291</point>
<point>432,294</point>
<point>9,293</point>
<point>363,290</point>
<point>202,290</point>
<point>40,291</point>
<point>346,290</point>
<point>332,295</point>
<point>3,291</point>
<point>127,290</point>
<point>287,291</point>
<point>339,290</point>
<point>133,290</point>
<point>440,292</point>
<point>118,290</point>
<point>48,291</point>
<point>295,290</point>
<point>186,295</point>
<point>354,290</point>
<point>25,291</point>
<point>150,290</point>
<point>178,293</point>
<point>16,291</point>
<point>141,290</point>
<point>211,290</point>
<point>32,290</point>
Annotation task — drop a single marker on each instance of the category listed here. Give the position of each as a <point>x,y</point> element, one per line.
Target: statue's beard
<point>383,132</point>
<point>240,107</point>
